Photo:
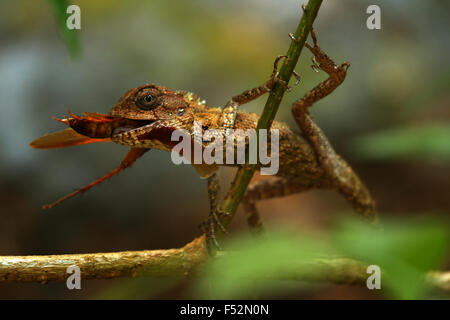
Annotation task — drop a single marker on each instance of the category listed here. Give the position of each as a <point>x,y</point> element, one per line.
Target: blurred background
<point>390,119</point>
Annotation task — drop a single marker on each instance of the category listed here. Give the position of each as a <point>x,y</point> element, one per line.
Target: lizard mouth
<point>130,126</point>
<point>135,126</point>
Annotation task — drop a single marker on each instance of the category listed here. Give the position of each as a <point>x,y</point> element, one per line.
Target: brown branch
<point>158,263</point>
<point>188,260</point>
<point>439,279</point>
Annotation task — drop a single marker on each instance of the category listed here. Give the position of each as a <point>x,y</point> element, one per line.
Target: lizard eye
<point>146,101</point>
<point>148,98</point>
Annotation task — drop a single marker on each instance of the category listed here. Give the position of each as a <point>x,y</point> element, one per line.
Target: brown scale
<point>146,116</point>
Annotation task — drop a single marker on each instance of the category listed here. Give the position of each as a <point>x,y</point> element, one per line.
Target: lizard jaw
<point>128,128</point>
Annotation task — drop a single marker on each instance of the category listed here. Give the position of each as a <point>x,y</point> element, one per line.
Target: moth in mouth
<point>92,128</point>
<point>89,128</point>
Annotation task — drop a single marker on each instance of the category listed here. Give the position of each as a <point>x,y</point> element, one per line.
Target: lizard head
<point>155,112</point>
<point>152,114</point>
<point>144,118</point>
<point>152,103</point>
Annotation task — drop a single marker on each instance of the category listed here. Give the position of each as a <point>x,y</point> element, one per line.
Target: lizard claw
<point>216,216</point>
<point>275,67</point>
<point>284,84</point>
<point>208,227</point>
<point>315,66</point>
<point>274,76</point>
<point>292,36</point>
<point>297,77</point>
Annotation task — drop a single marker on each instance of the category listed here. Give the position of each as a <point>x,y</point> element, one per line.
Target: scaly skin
<point>145,117</point>
<point>297,157</point>
<point>306,161</point>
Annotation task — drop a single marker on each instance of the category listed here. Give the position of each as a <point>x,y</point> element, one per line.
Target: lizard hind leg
<point>215,215</point>
<point>267,189</point>
<point>323,62</point>
<point>341,175</point>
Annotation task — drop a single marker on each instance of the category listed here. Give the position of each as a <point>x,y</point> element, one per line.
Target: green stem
<point>245,174</point>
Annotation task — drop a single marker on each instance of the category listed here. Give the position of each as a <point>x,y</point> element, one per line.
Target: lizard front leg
<point>341,174</point>
<point>208,227</point>
<point>228,116</point>
<point>226,123</point>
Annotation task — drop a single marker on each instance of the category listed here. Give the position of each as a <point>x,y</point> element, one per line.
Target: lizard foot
<point>208,227</point>
<point>297,77</point>
<point>321,61</point>
<point>274,76</point>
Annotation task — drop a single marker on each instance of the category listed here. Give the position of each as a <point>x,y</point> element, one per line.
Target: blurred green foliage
<point>138,288</point>
<point>251,264</point>
<point>404,251</point>
<point>427,142</point>
<point>70,36</point>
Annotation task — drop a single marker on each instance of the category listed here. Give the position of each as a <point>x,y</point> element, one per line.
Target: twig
<point>185,261</point>
<point>158,263</point>
<point>245,173</point>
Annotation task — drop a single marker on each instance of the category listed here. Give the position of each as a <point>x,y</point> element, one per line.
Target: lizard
<point>145,117</point>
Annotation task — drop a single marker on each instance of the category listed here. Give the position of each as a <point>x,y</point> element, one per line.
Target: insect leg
<point>129,160</point>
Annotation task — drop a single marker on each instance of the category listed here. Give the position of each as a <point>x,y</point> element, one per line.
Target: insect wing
<point>62,139</point>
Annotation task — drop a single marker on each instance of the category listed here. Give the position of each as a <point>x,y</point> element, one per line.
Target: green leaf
<point>429,142</point>
<point>256,266</point>
<point>70,36</point>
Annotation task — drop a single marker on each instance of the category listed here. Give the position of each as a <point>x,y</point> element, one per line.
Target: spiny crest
<point>191,97</point>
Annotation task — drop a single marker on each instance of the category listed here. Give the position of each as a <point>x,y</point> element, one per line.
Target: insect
<point>145,117</point>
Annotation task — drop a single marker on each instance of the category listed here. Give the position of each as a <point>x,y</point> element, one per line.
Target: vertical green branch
<point>245,174</point>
